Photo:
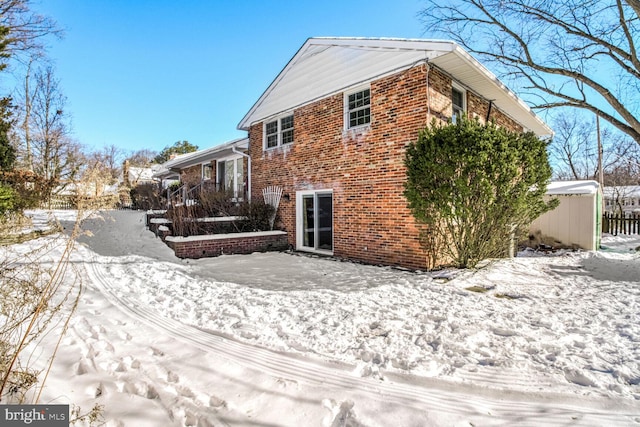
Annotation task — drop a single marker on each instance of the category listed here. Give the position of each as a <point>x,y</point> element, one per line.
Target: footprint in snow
<point>577,377</point>
<point>124,336</point>
<point>342,414</point>
<point>156,352</point>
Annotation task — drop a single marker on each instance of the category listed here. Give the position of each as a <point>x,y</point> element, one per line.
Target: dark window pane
<point>308,215</point>
<point>272,127</point>
<point>287,137</point>
<point>272,141</point>
<point>359,117</point>
<point>325,221</point>
<point>286,122</point>
<point>272,134</point>
<point>457,98</point>
<point>359,99</point>
<point>359,108</point>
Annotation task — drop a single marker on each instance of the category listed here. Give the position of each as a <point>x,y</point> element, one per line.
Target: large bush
<point>473,187</point>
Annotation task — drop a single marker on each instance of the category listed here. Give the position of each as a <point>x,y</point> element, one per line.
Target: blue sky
<point>144,74</point>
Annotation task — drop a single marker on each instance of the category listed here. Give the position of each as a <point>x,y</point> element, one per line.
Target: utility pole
<point>600,171</point>
<point>600,152</point>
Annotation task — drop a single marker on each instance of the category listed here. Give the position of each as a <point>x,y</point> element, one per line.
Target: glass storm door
<point>231,176</point>
<point>317,221</point>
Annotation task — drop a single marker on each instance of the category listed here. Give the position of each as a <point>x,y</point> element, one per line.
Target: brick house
<point>221,167</point>
<point>332,128</point>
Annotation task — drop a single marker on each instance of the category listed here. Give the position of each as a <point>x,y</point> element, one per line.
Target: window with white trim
<point>278,132</point>
<point>357,106</point>
<point>458,103</point>
<point>207,170</point>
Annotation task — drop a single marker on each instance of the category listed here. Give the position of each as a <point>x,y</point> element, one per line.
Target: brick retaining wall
<point>220,244</point>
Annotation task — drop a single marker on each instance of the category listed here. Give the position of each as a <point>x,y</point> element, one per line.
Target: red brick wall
<point>230,245</point>
<point>364,169</point>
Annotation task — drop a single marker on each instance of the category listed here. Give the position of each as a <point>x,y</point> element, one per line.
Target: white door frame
<point>300,221</point>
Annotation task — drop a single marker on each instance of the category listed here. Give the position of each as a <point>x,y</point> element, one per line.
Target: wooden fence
<point>101,202</point>
<point>618,224</point>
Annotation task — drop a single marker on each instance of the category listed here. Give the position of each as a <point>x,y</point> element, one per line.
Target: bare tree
<point>27,30</point>
<point>144,157</point>
<point>109,159</point>
<point>22,38</point>
<point>576,53</point>
<point>25,95</point>
<point>56,157</point>
<point>574,152</point>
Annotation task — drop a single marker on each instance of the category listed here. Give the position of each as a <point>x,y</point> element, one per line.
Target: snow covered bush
<point>474,186</point>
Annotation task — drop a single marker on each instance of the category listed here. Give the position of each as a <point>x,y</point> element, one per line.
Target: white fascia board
<point>244,123</point>
<point>465,56</point>
<point>431,48</point>
<point>208,154</point>
<point>386,43</point>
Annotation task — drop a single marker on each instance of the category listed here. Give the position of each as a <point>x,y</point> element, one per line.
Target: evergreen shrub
<point>474,187</point>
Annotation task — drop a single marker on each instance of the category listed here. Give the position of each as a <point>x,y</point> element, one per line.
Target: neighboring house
<point>332,129</point>
<point>136,175</point>
<point>224,166</point>
<point>623,199</point>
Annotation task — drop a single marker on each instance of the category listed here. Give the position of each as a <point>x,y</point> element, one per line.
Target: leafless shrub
<point>146,196</point>
<point>93,416</point>
<point>39,291</point>
<point>256,216</point>
<point>183,220</point>
<point>217,203</point>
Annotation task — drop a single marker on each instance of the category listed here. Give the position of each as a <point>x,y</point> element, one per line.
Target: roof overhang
<point>326,66</point>
<point>586,187</point>
<point>221,151</point>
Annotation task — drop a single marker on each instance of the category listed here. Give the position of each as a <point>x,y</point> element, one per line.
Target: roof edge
<point>362,42</point>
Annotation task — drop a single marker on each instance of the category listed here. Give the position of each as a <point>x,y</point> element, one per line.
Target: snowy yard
<point>280,339</point>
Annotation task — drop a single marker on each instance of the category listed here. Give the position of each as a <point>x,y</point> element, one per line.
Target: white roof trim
<point>557,188</point>
<point>201,156</point>
<point>306,79</point>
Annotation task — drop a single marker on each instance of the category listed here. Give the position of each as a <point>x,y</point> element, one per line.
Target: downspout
<point>234,150</point>
<point>427,69</point>
<point>489,111</point>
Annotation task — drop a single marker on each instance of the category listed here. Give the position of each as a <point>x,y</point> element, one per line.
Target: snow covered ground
<point>281,339</point>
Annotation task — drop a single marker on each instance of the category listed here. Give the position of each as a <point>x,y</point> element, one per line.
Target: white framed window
<point>278,132</point>
<point>458,103</point>
<point>357,108</point>
<point>207,170</point>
